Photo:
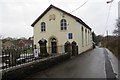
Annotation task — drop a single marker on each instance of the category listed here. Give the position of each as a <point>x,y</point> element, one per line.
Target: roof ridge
<point>52,6</point>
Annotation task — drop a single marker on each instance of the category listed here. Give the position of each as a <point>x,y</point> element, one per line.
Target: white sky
<point>16,16</point>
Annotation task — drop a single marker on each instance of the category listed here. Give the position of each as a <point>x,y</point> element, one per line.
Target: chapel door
<point>53,45</point>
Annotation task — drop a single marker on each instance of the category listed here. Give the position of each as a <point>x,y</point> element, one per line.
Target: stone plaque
<point>51,17</point>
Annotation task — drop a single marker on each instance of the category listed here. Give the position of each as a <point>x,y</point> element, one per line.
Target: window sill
<point>43,32</point>
<point>63,30</point>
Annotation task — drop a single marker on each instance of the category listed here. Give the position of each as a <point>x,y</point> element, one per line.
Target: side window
<point>70,35</point>
<point>86,36</point>
<point>63,24</point>
<point>82,36</point>
<point>43,27</point>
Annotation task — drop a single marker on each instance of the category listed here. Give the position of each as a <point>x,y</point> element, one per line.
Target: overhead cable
<point>79,7</point>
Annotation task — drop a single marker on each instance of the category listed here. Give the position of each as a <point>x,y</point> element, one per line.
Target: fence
<point>13,57</point>
<point>57,49</point>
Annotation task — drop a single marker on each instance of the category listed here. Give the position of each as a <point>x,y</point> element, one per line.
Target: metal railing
<point>13,57</point>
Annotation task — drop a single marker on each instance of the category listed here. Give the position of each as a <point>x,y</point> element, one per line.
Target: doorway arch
<point>53,44</point>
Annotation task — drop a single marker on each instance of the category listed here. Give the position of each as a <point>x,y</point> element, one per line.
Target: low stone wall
<point>20,71</point>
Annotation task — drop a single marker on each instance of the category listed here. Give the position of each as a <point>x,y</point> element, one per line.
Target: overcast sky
<point>16,16</point>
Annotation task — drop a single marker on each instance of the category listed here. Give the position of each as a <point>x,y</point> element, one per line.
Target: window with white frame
<point>43,27</point>
<point>63,24</point>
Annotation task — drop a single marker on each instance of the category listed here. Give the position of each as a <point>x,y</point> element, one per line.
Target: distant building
<point>8,44</point>
<point>57,27</point>
<point>20,43</point>
<point>25,43</point>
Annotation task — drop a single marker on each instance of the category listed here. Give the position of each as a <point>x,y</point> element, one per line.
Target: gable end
<point>51,6</point>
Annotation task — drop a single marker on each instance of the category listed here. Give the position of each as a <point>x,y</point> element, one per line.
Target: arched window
<point>63,24</point>
<point>86,36</point>
<point>43,26</point>
<point>82,36</point>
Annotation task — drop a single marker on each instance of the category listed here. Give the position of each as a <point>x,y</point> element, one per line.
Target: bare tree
<point>117,28</point>
<point>117,33</point>
<point>1,37</point>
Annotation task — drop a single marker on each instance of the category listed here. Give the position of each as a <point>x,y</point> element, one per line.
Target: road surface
<point>97,63</point>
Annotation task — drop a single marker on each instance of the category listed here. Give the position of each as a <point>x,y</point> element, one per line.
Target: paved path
<point>97,63</point>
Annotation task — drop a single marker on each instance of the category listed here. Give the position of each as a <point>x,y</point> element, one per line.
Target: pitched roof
<point>51,6</point>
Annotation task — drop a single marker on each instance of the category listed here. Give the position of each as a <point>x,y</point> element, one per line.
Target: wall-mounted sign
<point>70,35</point>
<point>62,14</point>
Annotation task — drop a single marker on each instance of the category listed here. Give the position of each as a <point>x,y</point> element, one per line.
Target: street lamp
<point>109,1</point>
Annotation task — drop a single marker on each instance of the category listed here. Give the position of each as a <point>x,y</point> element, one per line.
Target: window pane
<point>44,29</point>
<point>41,30</point>
<point>64,24</point>
<point>64,20</point>
<point>41,27</point>
<point>65,28</point>
<point>61,28</point>
<point>61,24</point>
<point>70,36</point>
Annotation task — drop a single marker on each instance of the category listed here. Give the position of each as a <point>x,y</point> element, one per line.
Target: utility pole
<point>119,18</point>
<point>119,30</point>
<point>108,2</point>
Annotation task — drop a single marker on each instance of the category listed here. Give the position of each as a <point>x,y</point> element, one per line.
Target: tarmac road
<point>97,63</point>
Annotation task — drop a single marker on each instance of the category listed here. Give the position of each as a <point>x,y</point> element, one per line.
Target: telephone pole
<point>119,18</point>
<point>108,2</point>
<point>119,29</point>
